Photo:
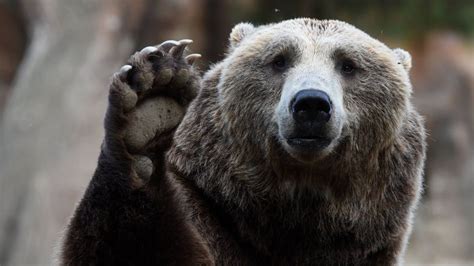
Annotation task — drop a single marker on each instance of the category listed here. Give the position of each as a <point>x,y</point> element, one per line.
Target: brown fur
<point>237,194</point>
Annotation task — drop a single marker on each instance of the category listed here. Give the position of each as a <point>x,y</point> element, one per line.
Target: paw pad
<point>143,167</point>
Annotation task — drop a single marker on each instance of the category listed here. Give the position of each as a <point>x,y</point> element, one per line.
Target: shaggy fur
<point>229,191</point>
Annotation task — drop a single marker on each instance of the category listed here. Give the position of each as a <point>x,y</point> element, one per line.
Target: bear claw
<point>125,68</point>
<point>191,58</point>
<point>149,49</point>
<point>177,51</point>
<point>144,71</point>
<point>167,45</point>
<point>124,71</point>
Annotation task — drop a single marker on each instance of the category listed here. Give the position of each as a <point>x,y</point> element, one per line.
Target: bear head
<point>310,85</point>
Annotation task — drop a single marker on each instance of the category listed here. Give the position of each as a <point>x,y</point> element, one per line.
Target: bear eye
<point>348,67</point>
<point>279,63</point>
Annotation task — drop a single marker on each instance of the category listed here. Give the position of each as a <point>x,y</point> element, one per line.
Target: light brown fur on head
<point>352,201</point>
<point>375,99</point>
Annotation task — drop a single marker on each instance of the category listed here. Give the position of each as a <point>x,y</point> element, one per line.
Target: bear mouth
<point>308,144</point>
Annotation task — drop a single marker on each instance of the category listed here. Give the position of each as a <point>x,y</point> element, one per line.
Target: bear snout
<point>311,112</point>
<point>309,123</point>
<point>311,107</point>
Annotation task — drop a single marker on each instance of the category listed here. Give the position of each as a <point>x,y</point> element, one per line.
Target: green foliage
<point>410,18</point>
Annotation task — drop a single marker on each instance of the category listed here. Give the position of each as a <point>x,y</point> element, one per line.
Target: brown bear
<point>301,147</point>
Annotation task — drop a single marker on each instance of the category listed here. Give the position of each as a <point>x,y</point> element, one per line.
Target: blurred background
<point>56,58</point>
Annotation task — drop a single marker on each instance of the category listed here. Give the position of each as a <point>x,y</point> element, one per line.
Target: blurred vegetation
<point>409,19</point>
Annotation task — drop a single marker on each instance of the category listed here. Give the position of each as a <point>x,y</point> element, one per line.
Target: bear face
<point>307,86</point>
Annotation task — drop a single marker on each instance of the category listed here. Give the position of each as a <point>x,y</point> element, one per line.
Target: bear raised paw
<point>148,98</point>
<point>129,197</point>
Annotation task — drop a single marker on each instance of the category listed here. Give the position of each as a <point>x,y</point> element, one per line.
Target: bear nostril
<point>310,106</point>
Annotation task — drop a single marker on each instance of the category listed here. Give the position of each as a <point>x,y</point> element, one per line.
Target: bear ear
<point>239,32</point>
<point>404,58</point>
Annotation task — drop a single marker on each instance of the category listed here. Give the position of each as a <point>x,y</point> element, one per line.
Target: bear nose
<point>311,106</point>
